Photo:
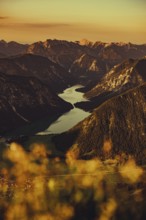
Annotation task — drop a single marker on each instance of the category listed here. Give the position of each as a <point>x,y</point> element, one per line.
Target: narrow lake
<point>71,118</point>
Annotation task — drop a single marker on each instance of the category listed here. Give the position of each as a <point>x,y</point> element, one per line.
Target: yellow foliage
<point>107,146</point>
<point>131,171</point>
<point>32,186</point>
<point>108,210</point>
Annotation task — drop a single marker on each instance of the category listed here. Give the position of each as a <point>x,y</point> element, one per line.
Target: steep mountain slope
<point>56,77</point>
<point>12,48</point>
<point>115,53</point>
<point>61,52</point>
<point>88,69</point>
<point>26,99</point>
<point>122,77</point>
<point>115,128</point>
<point>2,55</point>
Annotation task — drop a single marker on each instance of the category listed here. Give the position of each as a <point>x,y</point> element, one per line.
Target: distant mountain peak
<point>85,42</point>
<point>3,41</point>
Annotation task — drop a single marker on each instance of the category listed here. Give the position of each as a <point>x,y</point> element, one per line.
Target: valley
<point>71,118</point>
<point>73,130</point>
<point>44,98</point>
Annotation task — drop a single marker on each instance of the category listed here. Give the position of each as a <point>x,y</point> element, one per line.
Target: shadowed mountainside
<point>59,51</point>
<point>26,99</point>
<point>50,73</point>
<point>87,69</point>
<point>118,126</point>
<point>12,48</point>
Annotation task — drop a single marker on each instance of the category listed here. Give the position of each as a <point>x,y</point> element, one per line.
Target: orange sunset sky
<point>27,21</point>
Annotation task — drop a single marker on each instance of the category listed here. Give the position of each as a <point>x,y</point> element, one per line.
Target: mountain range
<point>114,80</point>
<point>87,62</point>
<point>12,48</point>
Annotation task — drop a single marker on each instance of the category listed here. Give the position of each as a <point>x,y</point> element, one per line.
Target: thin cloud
<point>34,25</point>
<point>44,25</point>
<point>3,17</point>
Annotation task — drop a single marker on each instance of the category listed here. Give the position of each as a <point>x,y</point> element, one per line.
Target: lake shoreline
<point>40,128</point>
<point>69,119</point>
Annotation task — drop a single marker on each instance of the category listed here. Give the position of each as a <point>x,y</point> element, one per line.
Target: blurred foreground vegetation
<point>36,187</point>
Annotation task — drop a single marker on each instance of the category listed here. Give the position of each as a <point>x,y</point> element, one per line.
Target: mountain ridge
<point>12,48</point>
<point>120,78</point>
<point>56,77</point>
<point>68,53</point>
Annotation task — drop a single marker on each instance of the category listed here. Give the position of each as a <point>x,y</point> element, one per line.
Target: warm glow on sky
<point>104,20</point>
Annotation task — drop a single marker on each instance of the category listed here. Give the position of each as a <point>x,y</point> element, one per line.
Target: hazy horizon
<point>98,40</point>
<point>107,21</point>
